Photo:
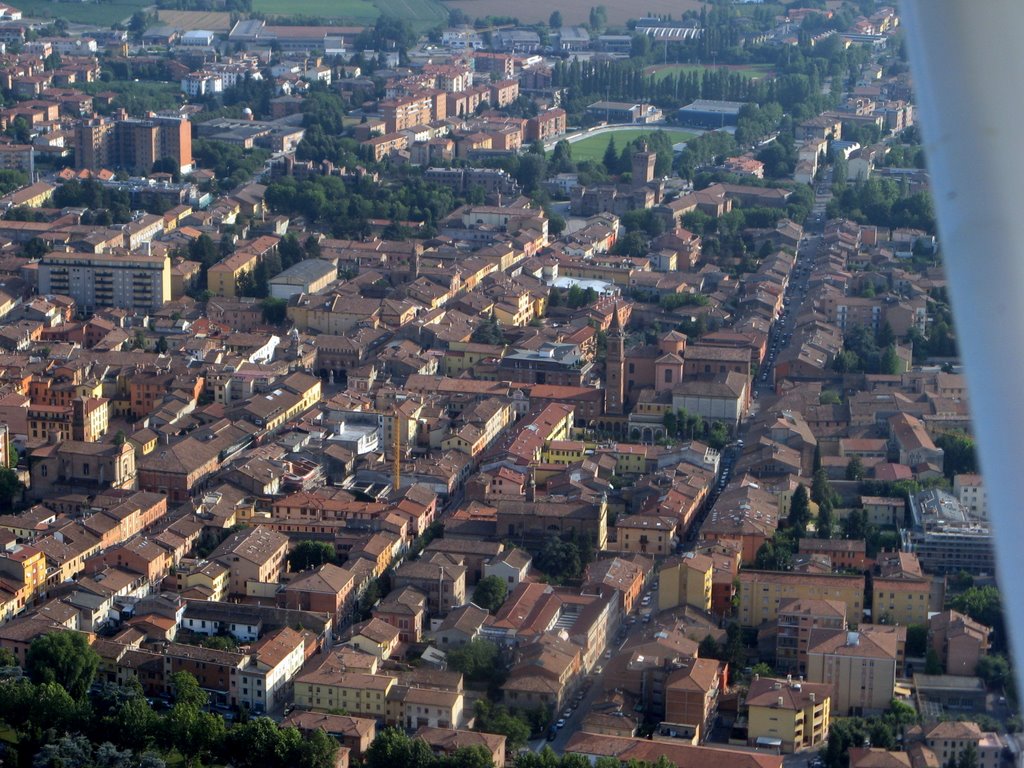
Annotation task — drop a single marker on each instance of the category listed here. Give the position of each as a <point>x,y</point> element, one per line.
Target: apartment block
<point>861,665</point>
<point>761,592</point>
<point>133,144</point>
<point>787,715</point>
<point>120,279</point>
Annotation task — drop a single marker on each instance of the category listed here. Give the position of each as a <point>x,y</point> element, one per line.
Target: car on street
<point>552,733</point>
<point>567,714</point>
<point>560,724</point>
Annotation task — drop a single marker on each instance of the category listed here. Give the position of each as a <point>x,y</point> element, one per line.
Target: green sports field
<point>593,147</point>
<point>102,14</point>
<point>423,14</point>
<point>751,70</point>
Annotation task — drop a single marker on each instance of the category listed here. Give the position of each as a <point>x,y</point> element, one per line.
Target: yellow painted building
<point>861,666</point>
<point>686,581</point>
<point>516,312</point>
<point>759,593</point>
<point>26,565</point>
<point>461,356</point>
<point>207,577</point>
<point>649,535</point>
<point>222,278</point>
<point>358,694</point>
<point>900,600</point>
<point>630,459</point>
<point>564,451</point>
<point>796,714</point>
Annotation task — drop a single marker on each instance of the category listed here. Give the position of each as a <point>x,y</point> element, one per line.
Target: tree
<point>708,648</point>
<point>821,488</point>
<point>611,156</point>
<point>488,332</point>
<point>984,605</point>
<point>10,487</point>
<point>890,363</point>
<point>959,456</point>
<point>136,723</point>
<point>161,345</point>
<point>775,555</point>
<point>932,663</point>
<point>559,559</point>
<point>854,469</point>
<point>311,554</point>
<point>994,669</point>
<point>65,752</point>
<point>917,640</point>
<point>968,757</point>
<point>393,748</point>
<point>65,658</point>
<point>492,718</point>
<point>275,311</point>
<point>718,437</point>
<point>799,511</point>
<point>476,659</point>
<point>490,593</point>
<point>855,525</point>
<point>826,521</point>
<point>555,20</point>
<point>828,397</point>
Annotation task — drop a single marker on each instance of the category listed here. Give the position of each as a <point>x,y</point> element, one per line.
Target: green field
<point>102,14</point>
<point>423,14</point>
<point>751,70</point>
<point>593,147</point>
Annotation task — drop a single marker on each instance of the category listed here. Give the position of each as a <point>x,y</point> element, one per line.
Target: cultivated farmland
<point>422,14</point>
<point>101,14</point>
<point>573,11</point>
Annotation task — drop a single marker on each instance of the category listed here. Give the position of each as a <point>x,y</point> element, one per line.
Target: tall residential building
<point>133,144</point>
<point>787,715</point>
<point>125,280</point>
<point>862,665</point>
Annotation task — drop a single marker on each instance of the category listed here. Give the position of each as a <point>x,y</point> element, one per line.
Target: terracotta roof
<point>766,692</point>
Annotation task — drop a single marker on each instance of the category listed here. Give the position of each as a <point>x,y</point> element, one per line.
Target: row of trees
<point>64,719</point>
<point>867,352</point>
<point>684,425</point>
<point>345,207</point>
<point>884,203</point>
<point>880,732</point>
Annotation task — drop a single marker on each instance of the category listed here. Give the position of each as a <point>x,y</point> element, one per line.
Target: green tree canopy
<point>490,593</point>
<point>959,456</point>
<point>855,469</point>
<point>65,658</point>
<point>799,510</point>
<point>311,554</point>
<point>477,659</point>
